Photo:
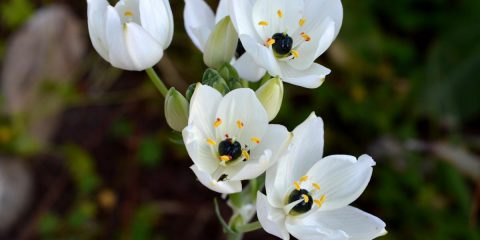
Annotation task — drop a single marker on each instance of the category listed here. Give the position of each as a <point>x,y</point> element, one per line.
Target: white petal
<point>131,47</point>
<point>262,55</point>
<point>265,154</point>
<point>156,18</point>
<point>342,178</point>
<point>199,22</point>
<point>272,219</point>
<point>242,105</point>
<point>357,224</point>
<point>312,77</point>
<point>321,38</point>
<point>97,10</point>
<point>324,8</point>
<point>203,108</point>
<point>248,69</point>
<point>223,10</point>
<point>313,231</point>
<point>226,187</point>
<point>306,148</point>
<point>267,10</point>
<point>202,154</point>
<point>242,18</point>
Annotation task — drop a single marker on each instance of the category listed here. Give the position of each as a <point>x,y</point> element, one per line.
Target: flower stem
<point>157,81</point>
<point>249,227</point>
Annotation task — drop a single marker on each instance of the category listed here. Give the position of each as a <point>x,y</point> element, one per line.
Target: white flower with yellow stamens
<point>200,22</point>
<point>286,36</point>
<point>229,138</point>
<point>308,196</point>
<point>133,34</point>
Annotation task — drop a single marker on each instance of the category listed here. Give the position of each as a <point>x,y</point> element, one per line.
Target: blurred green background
<point>102,163</point>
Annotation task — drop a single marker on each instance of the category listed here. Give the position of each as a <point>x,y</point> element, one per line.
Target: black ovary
<point>303,206</point>
<point>283,43</point>
<point>230,148</point>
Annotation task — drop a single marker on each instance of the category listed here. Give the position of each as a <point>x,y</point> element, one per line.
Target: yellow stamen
<point>270,42</point>
<point>280,13</point>
<point>245,154</point>
<point>304,179</point>
<point>255,140</point>
<point>316,186</point>
<point>211,141</point>
<point>263,23</point>
<point>295,53</point>
<point>225,158</point>
<point>128,14</point>
<point>297,185</point>
<point>305,36</point>
<point>320,201</point>
<point>305,198</point>
<point>217,123</point>
<point>239,124</point>
<point>301,22</point>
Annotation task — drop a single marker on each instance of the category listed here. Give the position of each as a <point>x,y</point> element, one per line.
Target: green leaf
<point>150,152</point>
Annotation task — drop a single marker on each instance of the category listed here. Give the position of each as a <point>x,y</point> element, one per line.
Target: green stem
<point>157,81</point>
<point>249,227</point>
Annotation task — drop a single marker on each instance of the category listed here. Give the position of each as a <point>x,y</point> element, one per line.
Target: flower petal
<point>242,105</point>
<point>156,18</point>
<point>199,22</point>
<point>203,108</point>
<point>202,154</point>
<point>241,15</point>
<point>96,26</point>
<point>272,219</point>
<point>313,231</point>
<point>357,224</point>
<point>342,178</point>
<point>281,16</point>
<point>312,77</point>
<point>305,148</point>
<point>324,8</point>
<point>262,55</point>
<point>206,179</point>
<point>248,69</point>
<point>223,10</point>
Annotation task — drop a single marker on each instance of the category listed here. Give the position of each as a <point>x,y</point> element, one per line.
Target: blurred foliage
<point>407,69</point>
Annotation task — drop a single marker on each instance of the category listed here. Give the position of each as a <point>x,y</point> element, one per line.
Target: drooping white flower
<point>200,22</point>
<point>285,37</point>
<point>133,34</point>
<point>229,138</point>
<point>308,196</point>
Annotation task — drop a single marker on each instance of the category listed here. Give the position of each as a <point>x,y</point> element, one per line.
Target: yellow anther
<point>263,23</point>
<point>320,201</point>
<point>245,154</point>
<point>316,186</point>
<point>211,141</point>
<point>305,198</point>
<point>305,36</point>
<point>295,53</point>
<point>297,185</point>
<point>225,158</point>
<point>270,42</point>
<point>304,179</point>
<point>255,140</point>
<point>280,13</point>
<point>240,124</point>
<point>301,22</point>
<point>128,14</point>
<point>217,123</point>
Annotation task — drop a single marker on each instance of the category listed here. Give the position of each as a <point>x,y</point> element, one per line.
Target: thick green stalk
<point>157,81</point>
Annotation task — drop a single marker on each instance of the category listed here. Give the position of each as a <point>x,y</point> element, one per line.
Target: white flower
<point>308,196</point>
<point>200,22</point>
<point>286,36</point>
<point>229,138</point>
<point>133,34</point>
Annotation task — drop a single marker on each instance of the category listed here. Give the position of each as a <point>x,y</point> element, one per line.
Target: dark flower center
<point>230,148</point>
<point>283,44</point>
<point>303,206</point>
<point>240,50</point>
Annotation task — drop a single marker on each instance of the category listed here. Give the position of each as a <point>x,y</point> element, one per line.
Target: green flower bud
<point>190,91</point>
<point>270,95</point>
<point>212,78</point>
<point>176,110</point>
<point>221,44</point>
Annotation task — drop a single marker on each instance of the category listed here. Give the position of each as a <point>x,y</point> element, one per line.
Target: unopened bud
<point>212,78</point>
<point>270,95</point>
<point>221,44</point>
<point>176,110</point>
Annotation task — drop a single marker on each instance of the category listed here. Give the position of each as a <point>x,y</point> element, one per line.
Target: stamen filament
<point>217,123</point>
<point>245,154</point>
<point>280,13</point>
<point>128,14</point>
<point>270,42</point>
<point>263,23</point>
<point>305,37</point>
<point>304,179</point>
<point>240,124</point>
<point>225,158</point>
<point>295,53</point>
<point>301,22</point>
<point>297,185</point>
<point>255,140</point>
<point>305,198</point>
<point>211,141</point>
<point>316,186</point>
<point>320,201</point>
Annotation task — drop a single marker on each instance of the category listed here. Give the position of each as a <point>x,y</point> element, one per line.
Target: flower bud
<point>270,95</point>
<point>212,78</point>
<point>221,44</point>
<point>176,110</point>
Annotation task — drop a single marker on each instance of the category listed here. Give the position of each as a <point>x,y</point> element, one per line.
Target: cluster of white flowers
<point>225,124</point>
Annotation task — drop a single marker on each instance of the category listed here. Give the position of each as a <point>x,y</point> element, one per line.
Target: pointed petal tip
<point>366,158</point>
